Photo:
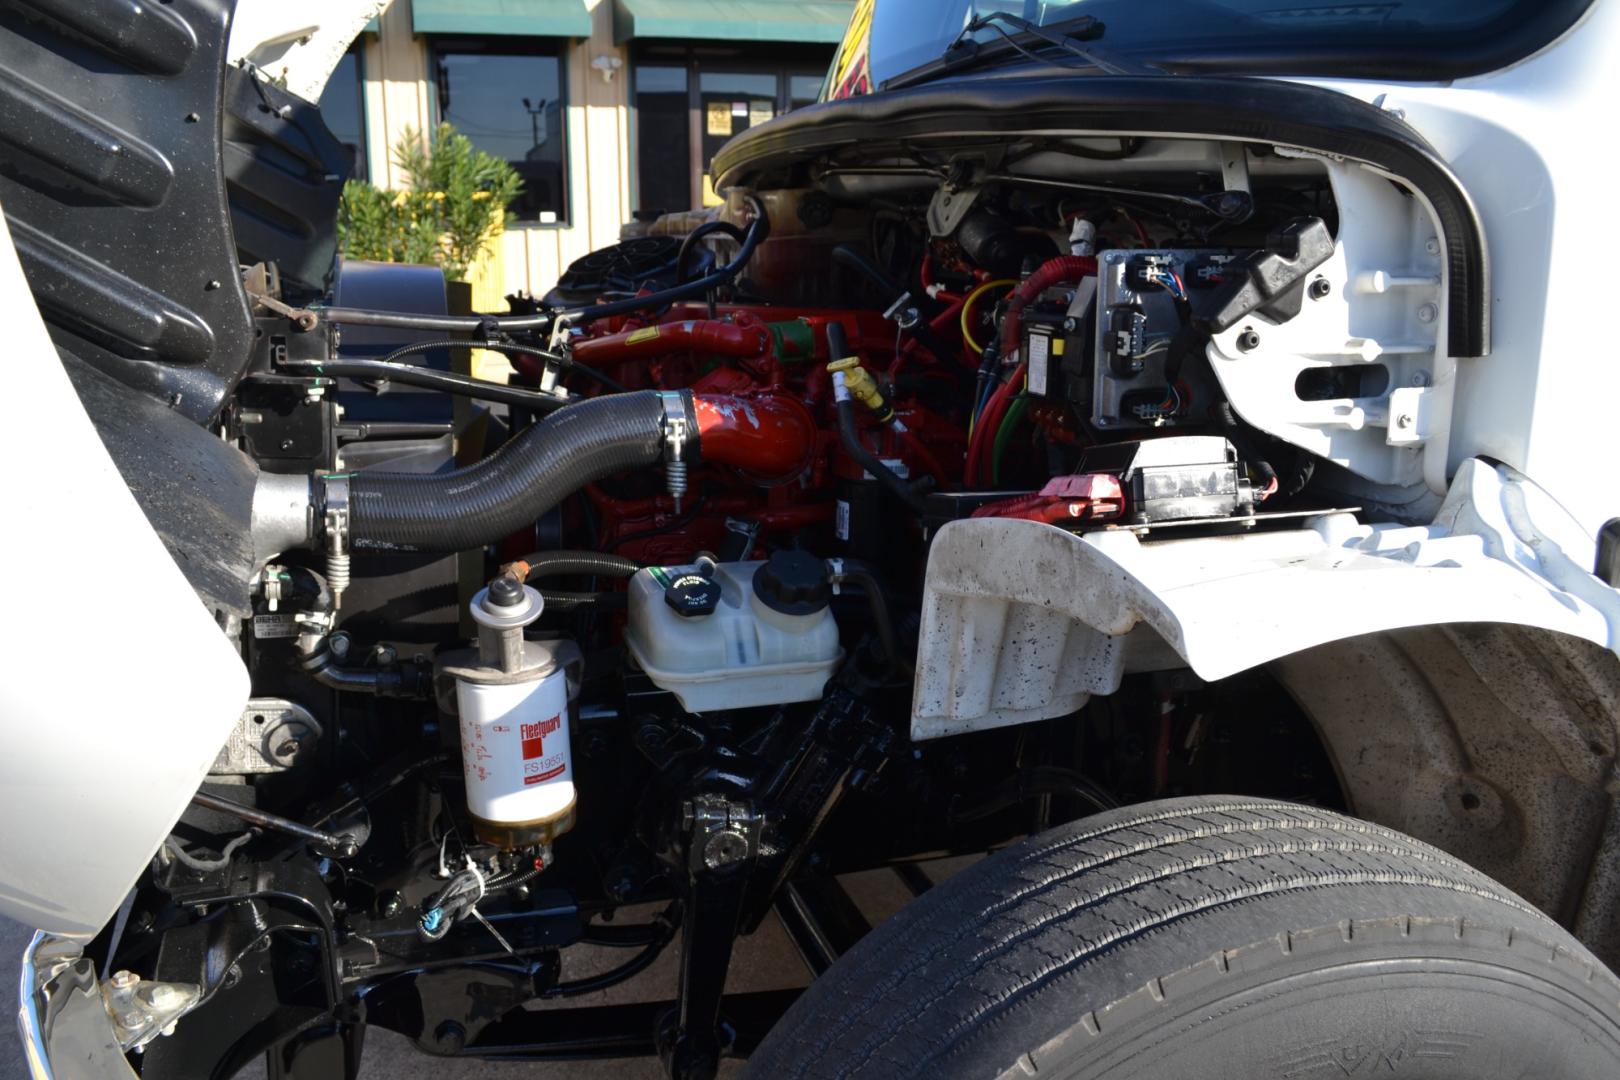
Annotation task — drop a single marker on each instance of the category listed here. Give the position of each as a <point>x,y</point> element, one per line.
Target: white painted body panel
<point>105,735</point>
<point>1024,621</point>
<point>298,43</point>
<point>1530,144</point>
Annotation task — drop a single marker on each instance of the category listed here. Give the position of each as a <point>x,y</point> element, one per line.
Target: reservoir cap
<point>792,582</point>
<point>692,595</point>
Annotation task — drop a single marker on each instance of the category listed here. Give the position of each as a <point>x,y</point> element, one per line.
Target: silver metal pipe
<point>343,846</point>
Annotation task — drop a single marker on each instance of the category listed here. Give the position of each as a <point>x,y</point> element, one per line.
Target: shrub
<point>451,211</point>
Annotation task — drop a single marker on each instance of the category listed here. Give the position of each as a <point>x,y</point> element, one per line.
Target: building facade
<point>608,108</point>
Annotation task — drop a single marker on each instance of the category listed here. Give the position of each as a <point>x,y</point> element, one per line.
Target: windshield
<point>1419,40</point>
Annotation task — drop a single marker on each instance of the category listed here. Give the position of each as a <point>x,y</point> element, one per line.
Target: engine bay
<point>639,622</point>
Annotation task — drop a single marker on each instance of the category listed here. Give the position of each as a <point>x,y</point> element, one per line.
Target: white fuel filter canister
<point>513,697</point>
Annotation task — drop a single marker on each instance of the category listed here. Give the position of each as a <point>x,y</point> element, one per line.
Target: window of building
<point>507,97</point>
<point>664,137</point>
<point>689,100</point>
<point>343,108</point>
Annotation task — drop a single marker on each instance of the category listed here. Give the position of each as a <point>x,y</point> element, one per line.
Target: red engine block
<point>768,428</point>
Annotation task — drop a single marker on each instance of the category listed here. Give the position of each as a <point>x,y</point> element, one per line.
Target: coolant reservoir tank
<point>734,635</point>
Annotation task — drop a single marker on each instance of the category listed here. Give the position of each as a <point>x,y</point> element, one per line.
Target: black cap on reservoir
<point>692,595</point>
<point>793,582</point>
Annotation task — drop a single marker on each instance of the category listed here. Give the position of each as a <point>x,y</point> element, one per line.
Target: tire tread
<point>962,958</point>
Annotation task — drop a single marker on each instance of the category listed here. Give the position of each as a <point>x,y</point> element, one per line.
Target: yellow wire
<point>967,309</point>
<point>967,335</point>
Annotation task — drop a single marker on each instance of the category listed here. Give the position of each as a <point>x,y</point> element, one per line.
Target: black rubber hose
<point>757,231</point>
<point>870,461</point>
<point>853,259</point>
<point>1238,435</point>
<point>428,378</point>
<point>838,348</point>
<point>664,929</point>
<point>708,228</point>
<point>878,604</point>
<point>544,564</point>
<point>926,309</point>
<point>477,505</point>
<point>563,603</point>
<point>507,348</point>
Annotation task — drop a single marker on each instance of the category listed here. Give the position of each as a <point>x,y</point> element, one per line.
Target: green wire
<point>1015,413</point>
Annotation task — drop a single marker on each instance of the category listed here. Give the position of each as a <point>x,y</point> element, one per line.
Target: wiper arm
<point>964,53</point>
<point>1102,61</point>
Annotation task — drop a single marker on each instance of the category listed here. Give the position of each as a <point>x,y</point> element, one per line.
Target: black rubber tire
<point>1211,938</point>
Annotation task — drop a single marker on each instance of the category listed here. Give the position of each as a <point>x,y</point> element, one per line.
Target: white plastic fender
<point>114,700</point>
<point>1024,621</point>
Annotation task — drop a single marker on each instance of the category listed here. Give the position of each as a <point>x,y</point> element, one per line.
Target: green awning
<point>525,18</point>
<point>821,21</point>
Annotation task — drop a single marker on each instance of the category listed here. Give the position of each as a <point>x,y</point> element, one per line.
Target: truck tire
<point>1216,938</point>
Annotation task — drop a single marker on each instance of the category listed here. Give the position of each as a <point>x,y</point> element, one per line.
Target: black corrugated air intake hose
<point>477,505</point>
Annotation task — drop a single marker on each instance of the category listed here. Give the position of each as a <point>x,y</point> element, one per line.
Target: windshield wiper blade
<point>964,53</point>
<point>1107,63</point>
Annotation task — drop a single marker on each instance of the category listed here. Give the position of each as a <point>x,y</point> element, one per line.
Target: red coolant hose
<point>770,436</point>
<point>711,336</point>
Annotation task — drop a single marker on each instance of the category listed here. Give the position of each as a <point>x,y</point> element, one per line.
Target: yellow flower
<point>401,198</point>
<point>480,195</point>
<point>437,196</point>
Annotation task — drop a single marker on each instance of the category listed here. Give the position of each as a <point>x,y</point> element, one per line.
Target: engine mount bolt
<point>1320,288</point>
<point>124,980</point>
<point>1248,341</point>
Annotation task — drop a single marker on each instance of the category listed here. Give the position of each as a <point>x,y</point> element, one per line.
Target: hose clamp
<point>676,430</point>
<point>335,520</point>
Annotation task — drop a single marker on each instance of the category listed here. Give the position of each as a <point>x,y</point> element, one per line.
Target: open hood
<point>297,43</point>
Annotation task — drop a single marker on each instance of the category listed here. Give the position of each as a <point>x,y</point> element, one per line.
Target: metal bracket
<point>141,1011</point>
<point>271,735</point>
<point>723,833</point>
<point>949,206</point>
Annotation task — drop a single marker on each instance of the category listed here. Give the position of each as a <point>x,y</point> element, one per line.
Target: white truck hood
<point>297,43</point>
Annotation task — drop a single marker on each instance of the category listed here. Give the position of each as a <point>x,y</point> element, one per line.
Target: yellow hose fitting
<point>862,387</point>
